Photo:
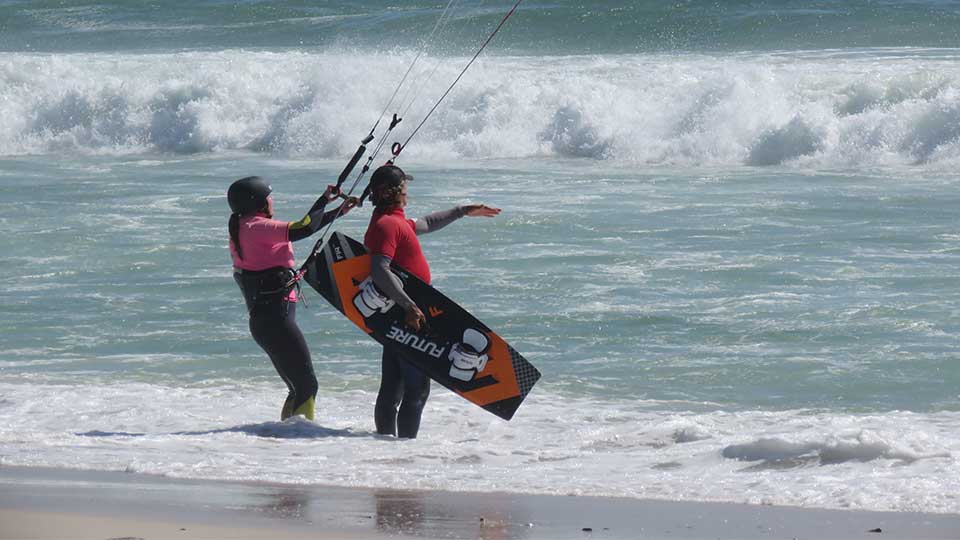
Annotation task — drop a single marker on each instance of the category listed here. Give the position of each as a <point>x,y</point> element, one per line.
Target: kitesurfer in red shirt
<point>392,237</point>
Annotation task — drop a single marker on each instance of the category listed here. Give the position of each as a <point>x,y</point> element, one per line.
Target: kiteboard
<point>453,348</point>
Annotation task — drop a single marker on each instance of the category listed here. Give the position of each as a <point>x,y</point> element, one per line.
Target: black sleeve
<point>315,219</point>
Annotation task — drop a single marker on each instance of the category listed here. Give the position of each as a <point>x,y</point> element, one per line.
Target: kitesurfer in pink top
<point>263,268</point>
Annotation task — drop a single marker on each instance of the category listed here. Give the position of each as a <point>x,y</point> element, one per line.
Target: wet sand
<point>56,503</point>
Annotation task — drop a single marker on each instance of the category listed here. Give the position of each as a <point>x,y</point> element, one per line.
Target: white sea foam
<point>555,445</point>
<point>806,109</point>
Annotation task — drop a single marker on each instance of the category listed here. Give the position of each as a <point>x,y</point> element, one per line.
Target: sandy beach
<point>54,503</point>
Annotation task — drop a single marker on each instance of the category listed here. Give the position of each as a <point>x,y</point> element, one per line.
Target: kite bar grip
<point>353,162</point>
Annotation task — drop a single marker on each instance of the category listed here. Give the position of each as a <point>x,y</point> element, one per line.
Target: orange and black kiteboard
<point>453,348</point>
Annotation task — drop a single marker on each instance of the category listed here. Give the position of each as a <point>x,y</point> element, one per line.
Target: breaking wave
<point>824,109</point>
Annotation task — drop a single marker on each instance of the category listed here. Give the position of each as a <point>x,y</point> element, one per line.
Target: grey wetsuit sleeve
<point>387,281</point>
<point>438,220</point>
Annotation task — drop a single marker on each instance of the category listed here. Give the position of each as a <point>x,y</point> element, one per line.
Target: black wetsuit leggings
<point>401,385</point>
<point>274,327</point>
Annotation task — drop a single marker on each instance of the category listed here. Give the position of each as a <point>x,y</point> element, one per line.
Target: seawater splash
<point>558,445</point>
<point>822,109</point>
<point>860,446</point>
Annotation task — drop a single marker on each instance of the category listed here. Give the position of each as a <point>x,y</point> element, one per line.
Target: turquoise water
<point>729,242</point>
<point>540,28</point>
<point>749,288</point>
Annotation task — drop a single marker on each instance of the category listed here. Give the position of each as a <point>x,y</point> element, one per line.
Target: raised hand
<point>349,205</point>
<point>331,193</point>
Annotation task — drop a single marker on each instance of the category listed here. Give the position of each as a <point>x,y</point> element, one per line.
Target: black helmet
<point>247,195</point>
<point>388,176</point>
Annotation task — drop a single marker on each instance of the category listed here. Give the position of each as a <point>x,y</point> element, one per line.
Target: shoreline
<point>40,503</point>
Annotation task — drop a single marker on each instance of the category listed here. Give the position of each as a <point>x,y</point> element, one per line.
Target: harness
<point>261,287</point>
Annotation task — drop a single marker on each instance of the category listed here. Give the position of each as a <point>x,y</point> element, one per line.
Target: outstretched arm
<point>438,220</point>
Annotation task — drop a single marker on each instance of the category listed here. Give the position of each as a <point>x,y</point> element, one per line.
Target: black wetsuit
<point>404,390</point>
<point>273,319</point>
<point>273,325</point>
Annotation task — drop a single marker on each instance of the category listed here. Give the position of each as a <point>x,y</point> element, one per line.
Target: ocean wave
<point>225,429</point>
<point>862,447</point>
<point>802,110</point>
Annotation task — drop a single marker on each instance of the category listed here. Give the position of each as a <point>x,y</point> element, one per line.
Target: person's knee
<point>417,390</point>
<point>423,395</point>
<point>392,390</point>
<point>387,399</point>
